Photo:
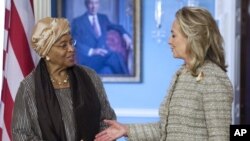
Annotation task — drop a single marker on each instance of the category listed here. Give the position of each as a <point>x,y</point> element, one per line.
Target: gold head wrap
<point>46,32</point>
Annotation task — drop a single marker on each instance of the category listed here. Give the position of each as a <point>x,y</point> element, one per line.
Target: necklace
<point>65,81</point>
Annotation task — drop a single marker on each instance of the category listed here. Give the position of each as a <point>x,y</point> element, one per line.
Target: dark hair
<point>86,2</point>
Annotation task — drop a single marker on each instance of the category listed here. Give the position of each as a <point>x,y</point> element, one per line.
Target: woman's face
<point>178,42</point>
<point>62,53</point>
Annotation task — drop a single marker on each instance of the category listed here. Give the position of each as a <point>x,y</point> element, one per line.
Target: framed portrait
<point>112,45</point>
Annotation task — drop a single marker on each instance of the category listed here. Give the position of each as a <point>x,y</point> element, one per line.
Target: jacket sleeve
<point>21,120</point>
<point>144,132</point>
<point>106,110</point>
<point>217,105</point>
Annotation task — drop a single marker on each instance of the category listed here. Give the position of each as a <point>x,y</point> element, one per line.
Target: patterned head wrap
<point>46,32</point>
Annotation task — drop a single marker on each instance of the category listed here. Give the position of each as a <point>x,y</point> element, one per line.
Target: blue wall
<point>158,65</point>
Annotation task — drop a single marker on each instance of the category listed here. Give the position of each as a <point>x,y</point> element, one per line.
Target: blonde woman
<point>199,100</point>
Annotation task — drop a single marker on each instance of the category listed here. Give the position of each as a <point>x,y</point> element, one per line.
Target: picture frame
<point>125,13</point>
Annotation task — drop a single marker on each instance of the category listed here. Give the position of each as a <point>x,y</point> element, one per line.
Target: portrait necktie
<point>95,27</point>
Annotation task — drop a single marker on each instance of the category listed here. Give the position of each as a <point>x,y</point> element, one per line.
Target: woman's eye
<point>71,42</point>
<point>63,45</point>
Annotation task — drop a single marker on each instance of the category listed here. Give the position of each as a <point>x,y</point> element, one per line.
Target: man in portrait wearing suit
<point>90,30</point>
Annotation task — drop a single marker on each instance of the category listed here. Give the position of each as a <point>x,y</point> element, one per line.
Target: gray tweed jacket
<point>25,124</point>
<point>195,109</point>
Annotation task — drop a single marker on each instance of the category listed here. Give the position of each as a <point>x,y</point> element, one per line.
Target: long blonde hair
<point>204,39</point>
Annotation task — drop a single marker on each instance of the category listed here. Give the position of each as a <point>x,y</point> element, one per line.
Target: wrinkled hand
<point>128,41</point>
<point>99,51</point>
<point>114,131</point>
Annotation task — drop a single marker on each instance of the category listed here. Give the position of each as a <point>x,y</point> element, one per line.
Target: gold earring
<point>47,58</point>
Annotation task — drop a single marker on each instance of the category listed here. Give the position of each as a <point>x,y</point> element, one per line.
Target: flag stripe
<point>7,99</point>
<point>1,132</point>
<point>5,48</point>
<point>27,18</point>
<point>7,19</point>
<point>17,57</point>
<point>5,136</point>
<point>19,39</point>
<point>4,55</point>
<point>16,75</point>
<point>32,6</point>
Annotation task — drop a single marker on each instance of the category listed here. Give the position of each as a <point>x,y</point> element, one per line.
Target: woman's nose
<point>169,41</point>
<point>71,48</point>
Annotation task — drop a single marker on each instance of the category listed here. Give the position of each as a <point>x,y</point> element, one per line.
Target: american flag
<point>18,58</point>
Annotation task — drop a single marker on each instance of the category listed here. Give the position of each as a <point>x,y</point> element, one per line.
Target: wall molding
<point>137,112</point>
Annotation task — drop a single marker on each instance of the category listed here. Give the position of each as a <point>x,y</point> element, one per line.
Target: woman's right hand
<point>114,131</point>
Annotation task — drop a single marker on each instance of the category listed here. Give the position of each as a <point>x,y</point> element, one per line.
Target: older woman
<point>198,104</point>
<point>58,100</point>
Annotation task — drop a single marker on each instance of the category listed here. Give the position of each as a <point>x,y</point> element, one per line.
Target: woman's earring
<point>47,58</point>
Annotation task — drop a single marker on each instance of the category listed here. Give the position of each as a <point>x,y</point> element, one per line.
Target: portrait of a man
<point>95,34</point>
<point>104,34</point>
